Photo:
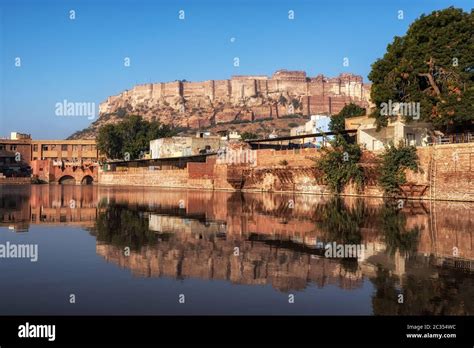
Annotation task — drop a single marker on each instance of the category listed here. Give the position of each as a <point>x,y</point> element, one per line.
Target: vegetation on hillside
<point>249,135</point>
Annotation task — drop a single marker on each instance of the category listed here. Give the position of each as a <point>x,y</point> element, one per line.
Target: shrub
<point>340,165</point>
<point>296,103</point>
<point>249,135</point>
<point>338,124</point>
<point>282,100</point>
<point>392,165</point>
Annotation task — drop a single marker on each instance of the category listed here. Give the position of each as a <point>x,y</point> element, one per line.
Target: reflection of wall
<point>442,225</point>
<point>258,264</point>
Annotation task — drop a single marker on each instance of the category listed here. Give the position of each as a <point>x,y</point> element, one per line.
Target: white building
<point>184,146</point>
<point>316,124</point>
<point>398,130</point>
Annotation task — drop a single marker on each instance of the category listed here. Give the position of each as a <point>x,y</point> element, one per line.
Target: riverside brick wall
<point>452,177</point>
<point>446,173</point>
<point>294,157</point>
<point>145,177</point>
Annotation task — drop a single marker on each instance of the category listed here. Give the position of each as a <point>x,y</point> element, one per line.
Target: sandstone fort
<point>239,99</point>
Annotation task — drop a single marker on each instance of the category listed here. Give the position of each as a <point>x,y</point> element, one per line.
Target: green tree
<point>392,165</point>
<point>338,124</point>
<point>132,136</point>
<point>249,135</point>
<point>433,64</point>
<point>339,164</point>
<point>109,141</point>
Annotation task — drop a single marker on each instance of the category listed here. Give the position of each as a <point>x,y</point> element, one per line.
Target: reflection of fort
<point>442,225</point>
<point>256,264</point>
<point>276,234</point>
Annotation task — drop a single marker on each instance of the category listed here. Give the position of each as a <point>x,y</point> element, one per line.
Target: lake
<point>148,251</point>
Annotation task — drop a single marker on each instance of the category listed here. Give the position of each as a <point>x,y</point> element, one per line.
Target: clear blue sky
<point>82,60</point>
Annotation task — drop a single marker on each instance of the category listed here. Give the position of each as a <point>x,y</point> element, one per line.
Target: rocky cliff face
<point>242,99</point>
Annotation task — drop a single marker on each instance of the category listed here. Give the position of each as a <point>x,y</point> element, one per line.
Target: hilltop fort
<point>240,99</point>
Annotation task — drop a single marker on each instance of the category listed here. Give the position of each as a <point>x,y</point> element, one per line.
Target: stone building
<point>177,146</point>
<point>398,130</point>
<point>22,156</point>
<point>316,124</point>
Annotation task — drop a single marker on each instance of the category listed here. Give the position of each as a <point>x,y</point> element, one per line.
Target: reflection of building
<point>22,205</point>
<point>277,242</point>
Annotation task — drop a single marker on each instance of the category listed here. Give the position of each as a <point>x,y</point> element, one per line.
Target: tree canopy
<point>338,123</point>
<point>339,164</point>
<point>433,64</point>
<point>131,136</point>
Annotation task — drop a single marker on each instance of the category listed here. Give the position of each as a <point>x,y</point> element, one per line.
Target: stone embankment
<point>446,173</point>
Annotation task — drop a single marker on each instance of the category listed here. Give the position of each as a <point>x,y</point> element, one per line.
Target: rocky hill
<point>243,102</point>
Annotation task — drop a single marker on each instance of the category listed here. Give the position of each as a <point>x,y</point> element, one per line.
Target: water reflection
<point>424,251</point>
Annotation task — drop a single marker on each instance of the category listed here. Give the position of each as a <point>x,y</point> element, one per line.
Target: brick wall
<point>201,170</point>
<point>145,177</point>
<point>294,157</point>
<point>446,172</point>
<point>453,173</point>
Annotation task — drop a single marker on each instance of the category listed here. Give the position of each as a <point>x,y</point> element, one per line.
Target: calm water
<point>231,253</point>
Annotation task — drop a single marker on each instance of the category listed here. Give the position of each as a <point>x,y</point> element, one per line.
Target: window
<point>13,147</point>
<point>74,147</point>
<point>64,147</point>
<point>84,148</point>
<point>35,147</point>
<point>2,147</point>
<point>44,147</point>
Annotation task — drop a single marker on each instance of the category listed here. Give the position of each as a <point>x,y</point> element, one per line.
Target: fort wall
<point>320,94</point>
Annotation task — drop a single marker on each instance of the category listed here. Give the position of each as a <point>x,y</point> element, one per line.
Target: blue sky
<point>82,60</point>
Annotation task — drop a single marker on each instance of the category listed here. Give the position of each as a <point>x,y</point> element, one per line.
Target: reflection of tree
<point>450,293</point>
<point>385,298</point>
<point>393,226</point>
<point>341,223</point>
<point>122,226</point>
